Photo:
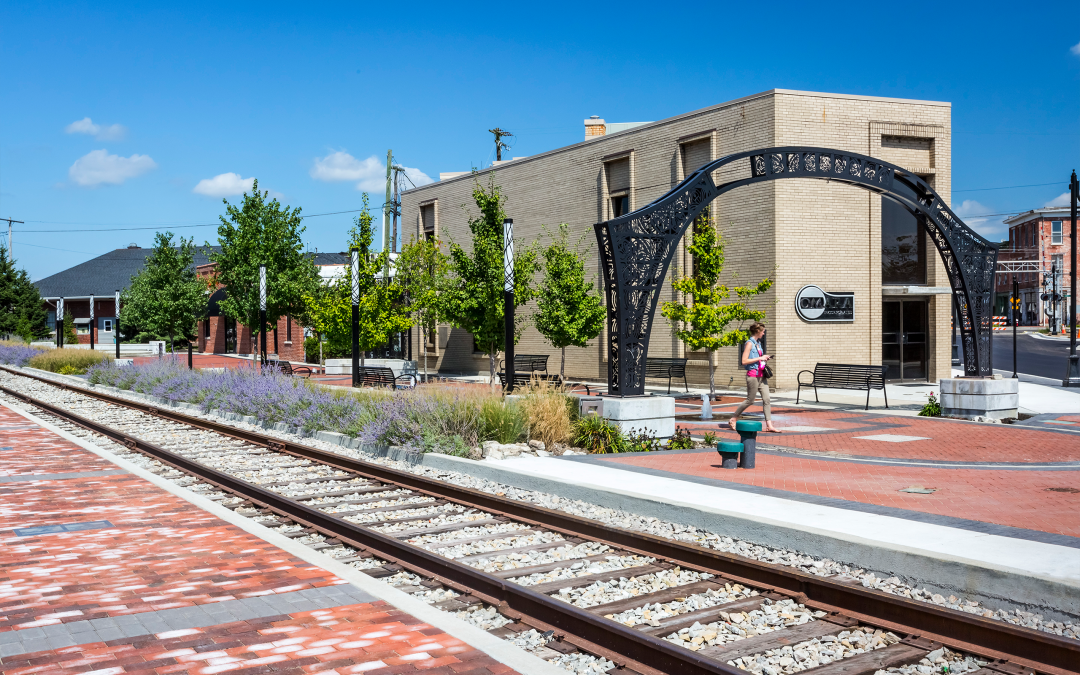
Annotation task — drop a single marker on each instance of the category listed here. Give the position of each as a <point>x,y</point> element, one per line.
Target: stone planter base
<point>652,415</point>
<point>980,397</point>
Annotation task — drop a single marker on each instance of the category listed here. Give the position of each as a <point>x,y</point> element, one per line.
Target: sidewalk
<point>112,569</point>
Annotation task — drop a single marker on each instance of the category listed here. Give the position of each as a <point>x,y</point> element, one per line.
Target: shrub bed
<point>430,418</point>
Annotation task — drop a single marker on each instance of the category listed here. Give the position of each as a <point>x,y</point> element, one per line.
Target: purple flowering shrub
<point>17,354</point>
<point>424,419</point>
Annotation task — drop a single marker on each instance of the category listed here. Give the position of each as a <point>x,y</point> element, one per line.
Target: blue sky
<point>143,115</point>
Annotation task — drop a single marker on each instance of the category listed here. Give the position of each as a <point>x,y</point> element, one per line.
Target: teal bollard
<point>729,454</point>
<point>748,431</point>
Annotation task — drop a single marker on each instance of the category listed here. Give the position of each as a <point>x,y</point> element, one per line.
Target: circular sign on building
<point>815,305</point>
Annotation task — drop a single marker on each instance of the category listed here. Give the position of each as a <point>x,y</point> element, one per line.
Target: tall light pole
<point>1072,375</point>
<point>508,299</point>
<point>92,322</point>
<point>60,323</point>
<point>262,312</point>
<point>116,323</point>
<point>354,278</point>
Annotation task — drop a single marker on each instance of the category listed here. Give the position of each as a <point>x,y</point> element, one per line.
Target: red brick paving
<point>372,638</point>
<point>949,440</point>
<point>163,552</point>
<point>1014,498</point>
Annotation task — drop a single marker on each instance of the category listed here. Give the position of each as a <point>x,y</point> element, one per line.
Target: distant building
<point>101,277</point>
<point>1042,237</point>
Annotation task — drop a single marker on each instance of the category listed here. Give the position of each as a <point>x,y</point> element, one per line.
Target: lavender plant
<point>17,354</point>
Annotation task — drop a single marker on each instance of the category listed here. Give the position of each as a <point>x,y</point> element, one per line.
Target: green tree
<point>570,312</point>
<point>261,232</point>
<point>702,323</point>
<point>71,336</point>
<point>473,299</point>
<point>422,268</point>
<point>382,310</point>
<point>165,296</point>
<point>22,312</point>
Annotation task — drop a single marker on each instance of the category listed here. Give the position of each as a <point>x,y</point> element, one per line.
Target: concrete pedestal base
<point>652,415</point>
<point>980,397</point>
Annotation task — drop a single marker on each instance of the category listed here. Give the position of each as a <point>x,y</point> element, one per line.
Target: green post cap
<point>747,425</point>
<point>729,446</point>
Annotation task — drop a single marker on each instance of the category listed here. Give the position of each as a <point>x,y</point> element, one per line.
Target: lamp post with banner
<point>508,300</point>
<point>354,294</point>
<point>91,322</point>
<point>262,314</point>
<point>60,323</point>
<point>1015,317</point>
<point>116,323</point>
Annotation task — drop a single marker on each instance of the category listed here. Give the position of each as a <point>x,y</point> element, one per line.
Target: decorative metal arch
<point>636,249</point>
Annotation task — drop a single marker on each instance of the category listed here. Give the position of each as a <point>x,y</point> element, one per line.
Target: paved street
<point>1034,355</point>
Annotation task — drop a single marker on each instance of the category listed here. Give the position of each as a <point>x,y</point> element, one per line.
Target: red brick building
<point>1040,237</point>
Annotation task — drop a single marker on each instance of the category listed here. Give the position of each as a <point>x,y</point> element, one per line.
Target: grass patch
<point>67,361</point>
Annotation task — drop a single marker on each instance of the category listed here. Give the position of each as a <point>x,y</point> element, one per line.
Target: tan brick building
<point>802,232</point>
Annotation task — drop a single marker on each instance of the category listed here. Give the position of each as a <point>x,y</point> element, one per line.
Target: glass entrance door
<point>904,333</point>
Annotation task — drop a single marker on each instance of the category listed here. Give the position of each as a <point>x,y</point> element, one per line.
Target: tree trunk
<point>491,363</point>
<point>322,361</point>
<point>562,366</point>
<point>712,377</point>
<point>172,345</point>
<point>423,344</point>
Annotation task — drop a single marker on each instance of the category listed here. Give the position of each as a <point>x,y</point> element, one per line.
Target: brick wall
<point>800,231</point>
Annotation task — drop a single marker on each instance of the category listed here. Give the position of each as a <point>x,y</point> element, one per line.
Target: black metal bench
<point>845,376</point>
<point>287,368</point>
<point>383,376</point>
<point>527,363</point>
<point>669,368</point>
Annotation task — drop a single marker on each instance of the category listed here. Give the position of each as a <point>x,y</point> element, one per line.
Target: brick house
<point>1042,237</point>
<point>101,277</point>
<point>801,232</point>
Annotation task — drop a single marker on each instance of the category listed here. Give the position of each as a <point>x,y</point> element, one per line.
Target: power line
<point>159,227</point>
<point>1008,187</point>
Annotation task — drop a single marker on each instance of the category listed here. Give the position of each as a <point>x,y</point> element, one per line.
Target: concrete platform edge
<point>497,648</point>
<point>995,586</point>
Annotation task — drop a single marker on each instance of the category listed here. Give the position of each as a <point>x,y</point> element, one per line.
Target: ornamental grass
<point>67,361</point>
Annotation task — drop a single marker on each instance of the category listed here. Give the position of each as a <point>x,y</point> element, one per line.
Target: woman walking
<point>753,359</point>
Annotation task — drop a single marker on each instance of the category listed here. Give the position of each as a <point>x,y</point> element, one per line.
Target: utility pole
<point>9,222</point>
<point>399,173</point>
<point>499,145</point>
<point>1072,375</point>
<point>1015,320</point>
<point>388,203</point>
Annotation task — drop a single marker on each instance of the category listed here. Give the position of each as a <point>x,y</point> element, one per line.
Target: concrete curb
<point>995,586</point>
<point>497,648</point>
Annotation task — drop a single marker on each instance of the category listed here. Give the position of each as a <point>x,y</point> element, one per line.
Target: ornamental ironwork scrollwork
<point>636,249</point>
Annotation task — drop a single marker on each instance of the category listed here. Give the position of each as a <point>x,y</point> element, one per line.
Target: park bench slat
<point>666,367</point>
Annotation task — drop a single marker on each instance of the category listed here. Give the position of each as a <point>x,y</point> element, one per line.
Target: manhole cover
<point>919,490</point>
<point>1072,490</point>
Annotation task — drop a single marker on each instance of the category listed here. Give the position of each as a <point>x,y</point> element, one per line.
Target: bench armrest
<point>799,377</point>
<point>411,378</point>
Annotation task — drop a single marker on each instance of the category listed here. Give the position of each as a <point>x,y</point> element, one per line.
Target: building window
<point>106,325</point>
<point>288,328</point>
<point>1055,232</point>
<point>620,206</point>
<point>206,329</point>
<point>903,247</point>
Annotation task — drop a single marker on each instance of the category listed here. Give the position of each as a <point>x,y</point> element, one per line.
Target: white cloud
<point>99,167</point>
<point>1075,49</point>
<point>1060,200</point>
<point>369,174</point>
<point>224,185</point>
<point>991,227</point>
<point>113,132</point>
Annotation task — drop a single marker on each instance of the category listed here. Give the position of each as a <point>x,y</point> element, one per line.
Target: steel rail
<point>958,630</point>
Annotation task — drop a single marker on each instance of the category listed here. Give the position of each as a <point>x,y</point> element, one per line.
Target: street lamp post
<point>1072,375</point>
<point>60,323</point>
<point>91,322</point>
<point>354,278</point>
<point>508,300</point>
<point>262,313</point>
<point>1015,319</point>
<point>116,323</point>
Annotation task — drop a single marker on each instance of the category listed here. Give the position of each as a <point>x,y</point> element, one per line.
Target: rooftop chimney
<point>594,128</point>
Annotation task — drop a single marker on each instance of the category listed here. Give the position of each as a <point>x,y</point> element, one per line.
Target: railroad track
<point>549,575</point>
